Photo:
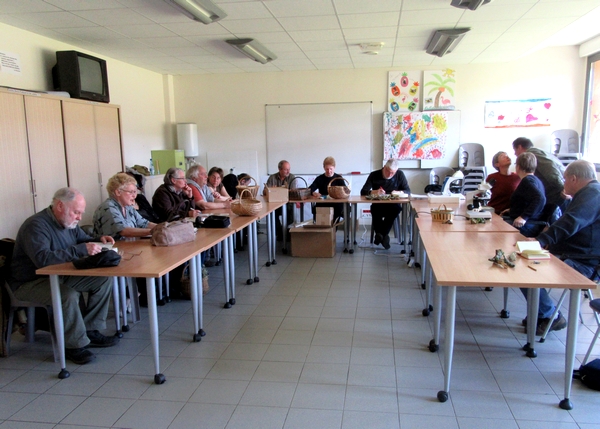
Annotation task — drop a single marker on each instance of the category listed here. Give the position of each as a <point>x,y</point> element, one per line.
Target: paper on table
<point>418,197</point>
<point>532,250</point>
<point>108,246</point>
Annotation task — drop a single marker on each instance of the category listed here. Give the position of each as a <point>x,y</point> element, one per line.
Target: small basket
<point>245,205</point>
<point>252,189</point>
<point>338,192</point>
<point>299,194</point>
<point>442,215</point>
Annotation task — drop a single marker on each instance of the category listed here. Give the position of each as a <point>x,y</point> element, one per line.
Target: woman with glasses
<point>173,199</point>
<point>117,215</point>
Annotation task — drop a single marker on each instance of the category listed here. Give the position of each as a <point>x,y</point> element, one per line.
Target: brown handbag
<point>173,233</point>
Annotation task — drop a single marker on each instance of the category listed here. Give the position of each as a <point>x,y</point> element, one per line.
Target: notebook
<point>532,250</point>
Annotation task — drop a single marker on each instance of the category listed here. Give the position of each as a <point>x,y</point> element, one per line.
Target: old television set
<point>81,75</point>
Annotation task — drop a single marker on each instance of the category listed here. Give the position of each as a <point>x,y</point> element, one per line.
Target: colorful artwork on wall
<point>404,91</point>
<point>518,113</point>
<point>438,89</point>
<point>414,135</point>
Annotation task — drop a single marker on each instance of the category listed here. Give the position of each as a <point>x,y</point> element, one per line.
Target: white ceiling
<point>304,34</point>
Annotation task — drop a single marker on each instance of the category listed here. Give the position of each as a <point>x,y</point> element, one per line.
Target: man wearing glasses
<point>173,199</point>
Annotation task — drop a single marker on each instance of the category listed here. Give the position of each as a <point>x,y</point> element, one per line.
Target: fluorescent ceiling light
<point>253,50</point>
<point>204,11</point>
<point>445,41</point>
<point>469,4</point>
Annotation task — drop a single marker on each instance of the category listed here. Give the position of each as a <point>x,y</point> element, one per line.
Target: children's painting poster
<point>404,91</point>
<point>438,89</point>
<point>518,113</point>
<point>415,135</point>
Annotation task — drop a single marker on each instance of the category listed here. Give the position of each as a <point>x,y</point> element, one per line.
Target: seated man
<point>52,236</point>
<point>503,183</point>
<point>203,197</point>
<point>283,178</point>
<point>384,181</point>
<point>173,199</point>
<point>575,236</point>
<point>528,201</point>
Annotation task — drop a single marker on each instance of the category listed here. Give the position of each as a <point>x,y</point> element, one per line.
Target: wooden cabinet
<point>32,165</point>
<point>93,149</point>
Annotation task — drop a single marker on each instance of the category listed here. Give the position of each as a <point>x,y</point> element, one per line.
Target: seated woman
<point>503,183</point>
<point>319,187</point>
<point>117,215</point>
<point>173,199</point>
<point>215,185</point>
<point>231,181</point>
<point>528,201</point>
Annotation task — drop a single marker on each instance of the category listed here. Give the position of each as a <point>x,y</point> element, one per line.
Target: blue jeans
<point>547,306</point>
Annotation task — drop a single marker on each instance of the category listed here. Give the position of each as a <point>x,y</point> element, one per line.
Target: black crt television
<point>81,75</point>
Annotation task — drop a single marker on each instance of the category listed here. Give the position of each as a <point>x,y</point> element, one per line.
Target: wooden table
<point>141,259</point>
<point>462,260</point>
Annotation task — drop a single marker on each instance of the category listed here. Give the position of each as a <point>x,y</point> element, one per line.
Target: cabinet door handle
<point>100,178</point>
<point>33,190</point>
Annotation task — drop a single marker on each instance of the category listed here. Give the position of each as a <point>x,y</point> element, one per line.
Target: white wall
<point>139,92</point>
<point>229,109</point>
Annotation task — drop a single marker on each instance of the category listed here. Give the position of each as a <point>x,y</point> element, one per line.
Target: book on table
<point>532,250</point>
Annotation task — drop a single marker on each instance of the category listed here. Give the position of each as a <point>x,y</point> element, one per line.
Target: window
<point>591,114</point>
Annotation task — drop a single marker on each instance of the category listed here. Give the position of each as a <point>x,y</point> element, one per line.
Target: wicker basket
<point>299,194</point>
<point>186,284</point>
<point>442,215</point>
<point>252,189</point>
<point>245,205</point>
<point>338,192</point>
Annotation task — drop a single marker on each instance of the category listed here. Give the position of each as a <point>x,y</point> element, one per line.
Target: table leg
<point>254,226</point>
<point>437,311</point>
<point>117,306</point>
<point>572,328</point>
<point>269,244</point>
<point>123,295</point>
<point>135,303</point>
<point>194,291</point>
<point>284,227</point>
<point>533,303</point>
<point>448,342</point>
<point>346,221</point>
<point>200,296</point>
<point>251,272</point>
<point>153,318</point>
<point>231,269</point>
<point>59,327</point>
<point>273,237</point>
<point>353,226</point>
<point>226,279</point>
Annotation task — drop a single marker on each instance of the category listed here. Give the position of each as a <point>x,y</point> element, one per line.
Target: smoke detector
<point>371,48</point>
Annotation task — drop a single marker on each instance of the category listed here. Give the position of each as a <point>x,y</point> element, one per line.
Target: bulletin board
<point>304,134</point>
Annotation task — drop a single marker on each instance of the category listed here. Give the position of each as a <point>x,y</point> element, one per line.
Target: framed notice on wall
<point>518,113</point>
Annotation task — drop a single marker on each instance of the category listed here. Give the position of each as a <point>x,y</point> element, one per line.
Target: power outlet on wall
<point>364,217</point>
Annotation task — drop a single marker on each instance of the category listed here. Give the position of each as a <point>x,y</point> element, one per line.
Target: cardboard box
<point>314,242</point>
<point>324,216</point>
<point>277,194</point>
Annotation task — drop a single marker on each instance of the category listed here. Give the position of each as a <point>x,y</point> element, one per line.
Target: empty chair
<point>566,142</point>
<point>471,155</point>
<point>438,174</point>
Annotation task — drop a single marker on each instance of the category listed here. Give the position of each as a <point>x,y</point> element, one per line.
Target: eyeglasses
<point>133,192</point>
<point>178,178</point>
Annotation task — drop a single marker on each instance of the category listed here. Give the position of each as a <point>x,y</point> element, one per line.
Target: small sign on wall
<point>10,63</point>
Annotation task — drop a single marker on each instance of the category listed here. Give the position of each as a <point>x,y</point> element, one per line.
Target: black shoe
<point>79,356</point>
<point>386,242</point>
<point>524,322</point>
<point>557,324</point>
<point>99,340</point>
<point>377,239</point>
<point>209,263</point>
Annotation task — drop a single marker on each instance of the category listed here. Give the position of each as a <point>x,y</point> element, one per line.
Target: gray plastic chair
<point>470,155</point>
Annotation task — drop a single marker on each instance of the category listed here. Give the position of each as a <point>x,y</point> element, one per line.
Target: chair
<point>11,303</point>
<point>438,174</point>
<point>567,146</point>
<point>471,155</point>
<point>474,175</point>
<point>595,306</point>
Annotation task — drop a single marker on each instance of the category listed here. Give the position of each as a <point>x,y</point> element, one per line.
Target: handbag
<point>106,258</point>
<point>173,233</point>
<point>215,221</point>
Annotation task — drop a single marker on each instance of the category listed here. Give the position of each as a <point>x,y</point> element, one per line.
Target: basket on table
<point>299,194</point>
<point>442,215</point>
<point>246,205</point>
<point>338,192</point>
<point>252,189</point>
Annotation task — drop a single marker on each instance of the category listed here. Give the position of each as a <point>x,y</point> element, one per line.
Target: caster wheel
<point>488,289</point>
<point>417,265</point>
<point>159,378</point>
<point>64,374</point>
<point>526,347</point>
<point>232,301</point>
<point>425,312</point>
<point>197,338</point>
<point>249,281</point>
<point>423,286</point>
<point>442,396</point>
<point>566,404</point>
<point>202,332</point>
<point>268,264</point>
<point>218,263</point>
<point>433,347</point>
<point>284,251</point>
<point>256,280</point>
<point>125,328</point>
<point>274,262</point>
<point>119,334</point>
<point>403,252</point>
<point>505,314</point>
<point>160,302</point>
<point>168,299</point>
<point>542,340</point>
<point>227,305</point>
<point>531,354</point>
<point>351,251</point>
<point>430,307</point>
<point>345,250</point>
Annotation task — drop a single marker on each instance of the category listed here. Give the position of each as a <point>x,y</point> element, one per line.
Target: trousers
<point>75,323</point>
<point>383,216</point>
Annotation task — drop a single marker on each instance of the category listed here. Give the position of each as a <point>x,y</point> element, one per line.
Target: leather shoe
<point>99,340</point>
<point>79,356</point>
<point>386,241</point>
<point>377,239</point>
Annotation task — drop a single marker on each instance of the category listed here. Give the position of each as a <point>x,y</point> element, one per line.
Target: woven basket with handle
<point>338,192</point>
<point>245,205</point>
<point>442,215</point>
<point>252,189</point>
<point>299,194</point>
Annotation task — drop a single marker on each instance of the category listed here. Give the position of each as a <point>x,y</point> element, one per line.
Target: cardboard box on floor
<point>324,216</point>
<point>277,194</point>
<point>313,241</point>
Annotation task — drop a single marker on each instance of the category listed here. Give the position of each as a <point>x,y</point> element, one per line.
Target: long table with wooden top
<point>462,260</point>
<point>141,259</point>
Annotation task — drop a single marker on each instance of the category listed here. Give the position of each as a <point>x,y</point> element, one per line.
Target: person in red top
<point>503,183</point>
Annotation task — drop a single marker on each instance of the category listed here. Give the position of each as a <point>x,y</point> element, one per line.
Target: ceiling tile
<point>316,35</point>
<point>113,16</point>
<point>287,8</point>
<point>328,22</point>
<point>144,30</point>
<point>361,6</point>
<point>239,26</point>
<point>21,6</point>
<point>55,19</point>
<point>370,20</point>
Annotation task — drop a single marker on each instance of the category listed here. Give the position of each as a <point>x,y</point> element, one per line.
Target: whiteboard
<point>305,134</point>
<point>243,161</point>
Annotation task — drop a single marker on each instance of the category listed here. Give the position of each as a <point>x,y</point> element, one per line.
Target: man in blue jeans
<point>575,236</point>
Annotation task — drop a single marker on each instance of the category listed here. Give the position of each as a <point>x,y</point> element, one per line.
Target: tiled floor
<point>317,343</point>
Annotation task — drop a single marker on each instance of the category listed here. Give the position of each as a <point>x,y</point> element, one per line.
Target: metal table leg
<point>533,302</point>
<point>251,272</point>
<point>59,327</point>
<point>117,306</point>
<point>284,227</point>
<point>153,318</point>
<point>254,226</point>
<point>572,328</point>
<point>449,342</point>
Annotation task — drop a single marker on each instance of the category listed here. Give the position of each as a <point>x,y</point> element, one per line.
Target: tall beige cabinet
<point>50,142</point>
